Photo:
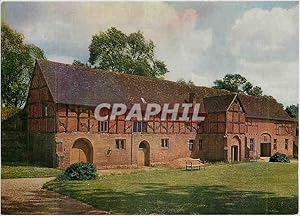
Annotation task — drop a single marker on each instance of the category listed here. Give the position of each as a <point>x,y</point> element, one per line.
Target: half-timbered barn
<point>63,129</point>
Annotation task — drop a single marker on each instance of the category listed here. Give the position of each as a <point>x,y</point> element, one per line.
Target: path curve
<point>26,196</point>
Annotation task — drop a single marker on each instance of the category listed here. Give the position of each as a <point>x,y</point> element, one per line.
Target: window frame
<point>286,144</point>
<point>120,144</point>
<point>44,109</point>
<point>139,127</point>
<point>191,143</point>
<point>165,143</point>
<point>252,144</point>
<point>101,126</point>
<point>200,144</point>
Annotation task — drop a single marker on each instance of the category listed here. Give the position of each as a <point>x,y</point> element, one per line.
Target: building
<point>63,129</point>
<point>240,127</point>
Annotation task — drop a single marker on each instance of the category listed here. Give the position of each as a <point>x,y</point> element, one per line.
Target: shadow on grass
<point>45,202</point>
<point>155,198</point>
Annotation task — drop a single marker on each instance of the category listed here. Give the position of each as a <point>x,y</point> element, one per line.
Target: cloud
<point>277,78</point>
<point>264,44</point>
<point>66,29</point>
<point>262,35</point>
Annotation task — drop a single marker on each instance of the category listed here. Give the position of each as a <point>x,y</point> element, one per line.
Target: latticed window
<point>139,126</point>
<point>191,144</point>
<point>286,143</point>
<point>103,127</point>
<point>200,145</point>
<point>120,144</point>
<point>164,143</point>
<point>44,110</point>
<point>252,144</point>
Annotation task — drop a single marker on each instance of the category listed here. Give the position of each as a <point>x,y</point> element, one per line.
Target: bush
<point>80,171</point>
<point>278,157</point>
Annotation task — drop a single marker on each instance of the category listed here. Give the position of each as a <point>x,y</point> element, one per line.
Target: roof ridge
<point>117,73</point>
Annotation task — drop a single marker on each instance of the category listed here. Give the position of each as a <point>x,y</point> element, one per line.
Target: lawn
<point>27,171</point>
<point>257,188</point>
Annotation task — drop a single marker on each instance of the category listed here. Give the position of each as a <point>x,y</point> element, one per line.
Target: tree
<point>77,62</point>
<point>17,63</point>
<point>115,51</point>
<point>239,84</point>
<point>292,110</point>
<point>184,82</point>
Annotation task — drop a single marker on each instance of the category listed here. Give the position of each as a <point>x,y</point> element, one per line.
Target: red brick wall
<point>257,127</point>
<point>103,142</point>
<point>217,143</point>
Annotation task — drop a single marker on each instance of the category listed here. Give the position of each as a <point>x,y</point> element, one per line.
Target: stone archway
<point>143,154</point>
<point>81,151</point>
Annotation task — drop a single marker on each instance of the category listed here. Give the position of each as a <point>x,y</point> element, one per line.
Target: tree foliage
<point>17,63</point>
<point>184,82</point>
<point>292,110</point>
<point>239,84</point>
<point>77,62</point>
<point>115,51</point>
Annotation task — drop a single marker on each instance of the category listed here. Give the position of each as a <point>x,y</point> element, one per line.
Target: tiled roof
<point>255,107</point>
<point>80,85</point>
<point>218,103</point>
<point>72,84</point>
<point>263,107</point>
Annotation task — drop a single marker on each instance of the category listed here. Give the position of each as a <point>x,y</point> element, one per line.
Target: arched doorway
<point>235,149</point>
<point>143,155</point>
<point>265,145</point>
<point>82,151</point>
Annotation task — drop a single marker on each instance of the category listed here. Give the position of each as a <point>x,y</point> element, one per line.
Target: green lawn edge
<point>245,188</point>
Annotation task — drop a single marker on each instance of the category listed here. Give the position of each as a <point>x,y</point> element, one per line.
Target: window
<point>44,110</point>
<point>275,144</point>
<point>103,126</point>
<point>191,144</point>
<point>265,138</point>
<point>200,145</point>
<point>164,143</point>
<point>120,144</point>
<point>251,144</point>
<point>139,126</point>
<point>286,144</point>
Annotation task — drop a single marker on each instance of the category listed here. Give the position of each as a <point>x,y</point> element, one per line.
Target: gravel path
<point>26,196</point>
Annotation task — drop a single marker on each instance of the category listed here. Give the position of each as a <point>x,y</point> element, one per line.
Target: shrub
<point>278,157</point>
<point>80,171</point>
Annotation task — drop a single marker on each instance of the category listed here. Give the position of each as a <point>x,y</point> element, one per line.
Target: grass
<point>256,188</point>
<point>27,171</point>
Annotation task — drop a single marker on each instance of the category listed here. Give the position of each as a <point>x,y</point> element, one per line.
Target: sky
<point>199,41</point>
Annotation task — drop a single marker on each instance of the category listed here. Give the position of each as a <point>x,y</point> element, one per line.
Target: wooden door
<point>234,153</point>
<point>141,157</point>
<point>265,149</point>
<point>77,155</point>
